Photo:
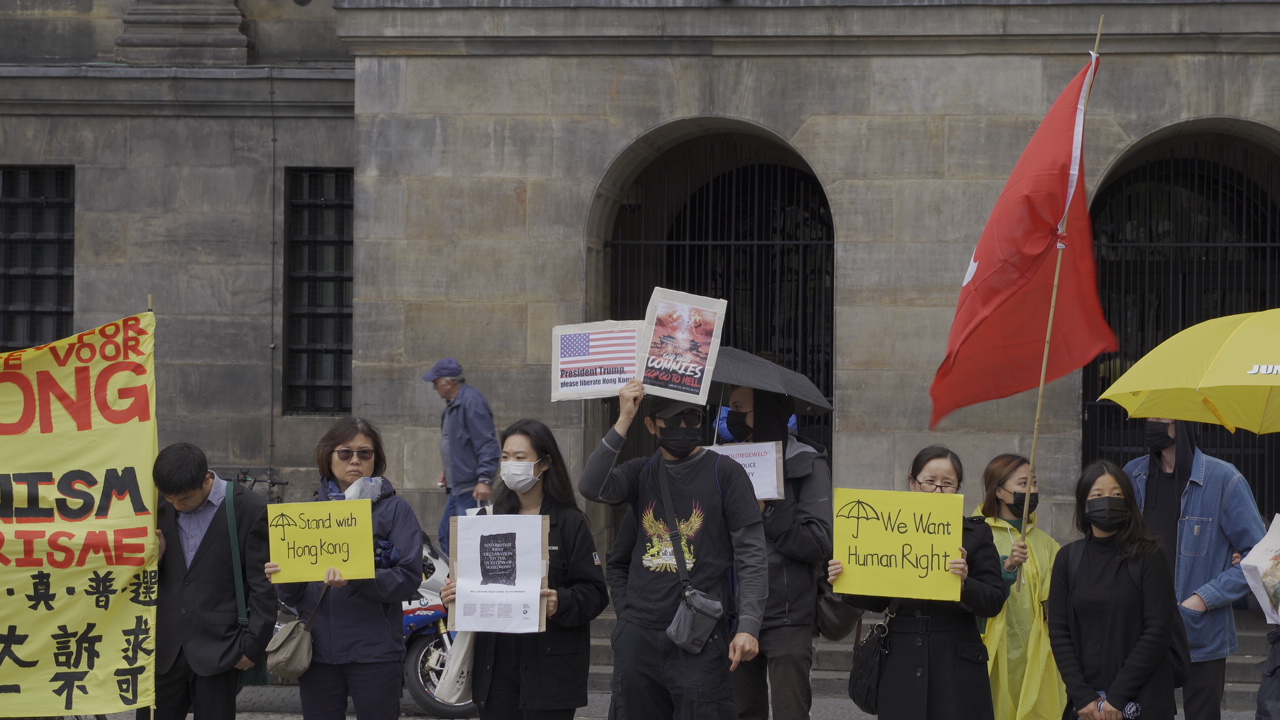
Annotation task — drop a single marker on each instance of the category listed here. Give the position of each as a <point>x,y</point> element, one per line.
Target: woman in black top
<point>1111,606</point>
<point>541,676</point>
<point>936,668</point>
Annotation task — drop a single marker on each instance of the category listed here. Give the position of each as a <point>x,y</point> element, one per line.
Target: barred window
<point>37,255</point>
<point>318,290</point>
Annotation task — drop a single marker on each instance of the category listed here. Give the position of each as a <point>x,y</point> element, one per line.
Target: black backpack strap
<point>236,566</point>
<point>673,530</point>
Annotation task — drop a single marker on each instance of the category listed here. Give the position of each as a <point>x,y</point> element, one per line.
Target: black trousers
<point>374,689</point>
<point>778,677</point>
<point>181,689</point>
<point>655,680</point>
<point>1202,695</point>
<point>503,702</point>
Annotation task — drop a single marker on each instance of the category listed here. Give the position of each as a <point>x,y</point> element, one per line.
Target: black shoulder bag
<point>256,675</point>
<point>698,613</point>
<point>868,664</point>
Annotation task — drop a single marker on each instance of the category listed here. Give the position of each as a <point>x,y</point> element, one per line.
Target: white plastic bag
<point>455,682</point>
<point>1262,569</point>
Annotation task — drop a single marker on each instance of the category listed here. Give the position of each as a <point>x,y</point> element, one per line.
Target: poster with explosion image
<point>681,339</point>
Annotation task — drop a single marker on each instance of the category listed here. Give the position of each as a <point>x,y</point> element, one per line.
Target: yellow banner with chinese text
<point>78,571</point>
<point>898,544</point>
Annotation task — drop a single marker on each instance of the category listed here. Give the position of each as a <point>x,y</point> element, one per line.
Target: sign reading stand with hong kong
<point>78,571</point>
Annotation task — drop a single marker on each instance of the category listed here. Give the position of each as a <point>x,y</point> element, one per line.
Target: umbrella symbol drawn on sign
<point>859,511</point>
<point>282,521</point>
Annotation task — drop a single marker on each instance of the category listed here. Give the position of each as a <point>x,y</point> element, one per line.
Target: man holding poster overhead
<point>719,526</point>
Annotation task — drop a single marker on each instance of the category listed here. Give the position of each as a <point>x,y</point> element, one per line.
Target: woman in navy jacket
<point>541,676</point>
<point>356,627</point>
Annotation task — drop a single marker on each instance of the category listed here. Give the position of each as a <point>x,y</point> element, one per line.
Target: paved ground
<point>281,703</point>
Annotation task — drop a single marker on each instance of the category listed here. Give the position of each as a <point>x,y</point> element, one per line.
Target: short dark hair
<point>937,452</point>
<point>998,472</point>
<point>342,432</point>
<point>179,469</point>
<point>556,482</point>
<point>1133,540</point>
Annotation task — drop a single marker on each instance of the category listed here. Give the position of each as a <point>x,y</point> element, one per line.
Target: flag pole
<point>1048,334</point>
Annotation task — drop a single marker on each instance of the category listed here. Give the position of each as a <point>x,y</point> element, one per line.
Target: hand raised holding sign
<point>960,566</point>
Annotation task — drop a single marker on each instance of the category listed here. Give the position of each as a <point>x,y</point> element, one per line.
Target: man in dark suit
<point>201,646</point>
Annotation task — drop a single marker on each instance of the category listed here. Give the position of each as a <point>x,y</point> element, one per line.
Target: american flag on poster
<point>593,360</point>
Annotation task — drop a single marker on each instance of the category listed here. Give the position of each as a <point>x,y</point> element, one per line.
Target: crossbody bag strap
<point>673,533</point>
<point>236,565</point>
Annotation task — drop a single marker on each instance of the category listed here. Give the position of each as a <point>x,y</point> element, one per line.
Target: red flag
<point>997,339</point>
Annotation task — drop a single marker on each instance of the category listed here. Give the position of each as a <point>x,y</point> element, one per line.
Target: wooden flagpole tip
<point>1098,40</point>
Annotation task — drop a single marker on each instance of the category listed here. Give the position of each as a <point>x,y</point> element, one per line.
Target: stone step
<point>1240,696</point>
<point>1244,668</point>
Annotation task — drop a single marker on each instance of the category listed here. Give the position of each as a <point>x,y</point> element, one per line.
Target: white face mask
<point>519,476</point>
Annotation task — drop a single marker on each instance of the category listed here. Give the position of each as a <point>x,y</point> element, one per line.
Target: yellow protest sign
<point>77,523</point>
<point>308,538</point>
<point>898,544</point>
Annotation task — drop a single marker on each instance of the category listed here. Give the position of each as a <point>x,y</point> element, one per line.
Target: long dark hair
<point>341,432</point>
<point>555,480</point>
<point>937,452</point>
<point>1133,540</point>
<point>998,472</point>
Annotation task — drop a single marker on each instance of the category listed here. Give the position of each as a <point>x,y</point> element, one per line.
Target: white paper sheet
<point>500,562</point>
<point>763,463</point>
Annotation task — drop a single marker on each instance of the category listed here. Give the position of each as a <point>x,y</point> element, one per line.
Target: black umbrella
<point>739,367</point>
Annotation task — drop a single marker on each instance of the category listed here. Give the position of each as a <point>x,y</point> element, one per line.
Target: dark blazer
<point>555,663</point>
<point>197,610</point>
<point>1137,657</point>
<point>936,668</point>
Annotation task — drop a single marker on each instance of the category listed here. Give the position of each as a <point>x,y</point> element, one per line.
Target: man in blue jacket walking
<point>469,447</point>
<point>1203,510</point>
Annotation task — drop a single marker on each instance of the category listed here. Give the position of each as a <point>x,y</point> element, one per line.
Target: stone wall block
<point>1058,461</point>
<point>102,238</point>
<point>512,85</point>
<point>558,209</point>
<point>399,146</point>
<point>948,211</point>
<point>879,400</point>
<point>126,189</point>
<point>1265,102</point>
<point>296,440</point>
<point>862,460</point>
<point>520,391</point>
<point>240,190</point>
<point>117,290</point>
<point>902,273</point>
<point>1142,92</point>
<point>317,142</point>
<point>491,332</point>
<point>489,209</point>
<point>227,340</point>
<point>887,337</point>
<point>640,91</point>
<point>862,211</point>
<point>223,389</point>
<point>421,453</point>
<point>981,85</point>
<point>484,146</point>
<point>380,208</point>
<point>585,147</point>
<point>379,332</point>
<point>200,238</point>
<point>541,318</point>
<point>1017,413</point>
<point>24,139</point>
<point>180,141</point>
<point>248,438</point>
<point>987,148</point>
<point>227,290</point>
<point>401,269</point>
<point>210,433</point>
<point>780,93</point>
<point>75,141</point>
<point>541,272</point>
<point>389,394</point>
<point>1217,85</point>
<point>869,148</point>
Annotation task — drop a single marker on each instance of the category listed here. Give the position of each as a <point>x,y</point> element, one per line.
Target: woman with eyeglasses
<point>541,676</point>
<point>358,644</point>
<point>936,668</point>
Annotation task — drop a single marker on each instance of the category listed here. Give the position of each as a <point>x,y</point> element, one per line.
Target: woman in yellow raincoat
<point>1025,684</point>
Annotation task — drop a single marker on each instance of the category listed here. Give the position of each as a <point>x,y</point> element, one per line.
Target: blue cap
<point>447,367</point>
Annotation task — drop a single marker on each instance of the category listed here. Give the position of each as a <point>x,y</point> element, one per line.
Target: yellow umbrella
<point>1224,371</point>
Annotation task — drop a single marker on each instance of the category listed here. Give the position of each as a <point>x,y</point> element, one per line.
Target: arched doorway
<point>1188,230</point>
<point>739,217</point>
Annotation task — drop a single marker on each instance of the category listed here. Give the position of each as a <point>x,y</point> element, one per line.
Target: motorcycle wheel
<point>422,669</point>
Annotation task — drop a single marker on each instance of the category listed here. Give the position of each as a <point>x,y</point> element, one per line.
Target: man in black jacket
<point>200,645</point>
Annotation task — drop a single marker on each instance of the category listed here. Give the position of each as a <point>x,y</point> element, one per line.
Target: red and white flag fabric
<point>997,338</point>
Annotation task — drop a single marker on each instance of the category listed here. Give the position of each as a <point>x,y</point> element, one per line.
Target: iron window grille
<point>318,291</point>
<point>37,255</point>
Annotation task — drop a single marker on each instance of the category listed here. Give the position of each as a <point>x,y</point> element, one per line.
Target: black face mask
<point>1106,513</point>
<point>1157,435</point>
<point>679,441</point>
<point>738,427</point>
<point>1019,498</point>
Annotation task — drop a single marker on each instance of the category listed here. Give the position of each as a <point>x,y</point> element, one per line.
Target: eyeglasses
<point>933,485</point>
<point>345,454</point>
<point>688,418</point>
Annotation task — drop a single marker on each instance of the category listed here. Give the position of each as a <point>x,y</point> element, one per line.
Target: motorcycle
<point>429,641</point>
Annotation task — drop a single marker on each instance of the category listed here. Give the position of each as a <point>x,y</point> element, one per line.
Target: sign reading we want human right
<point>898,544</point>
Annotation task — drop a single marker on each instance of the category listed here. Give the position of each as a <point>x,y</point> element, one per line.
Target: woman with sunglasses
<point>541,676</point>
<point>936,668</point>
<point>358,645</point>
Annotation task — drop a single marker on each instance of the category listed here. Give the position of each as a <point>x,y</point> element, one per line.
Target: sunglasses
<point>688,418</point>
<point>346,453</point>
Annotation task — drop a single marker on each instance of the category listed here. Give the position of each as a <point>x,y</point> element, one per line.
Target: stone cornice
<point>800,27</point>
<point>131,91</point>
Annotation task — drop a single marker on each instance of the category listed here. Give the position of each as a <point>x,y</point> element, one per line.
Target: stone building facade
<point>493,142</point>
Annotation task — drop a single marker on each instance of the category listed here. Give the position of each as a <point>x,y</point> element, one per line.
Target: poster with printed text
<point>679,344</point>
<point>500,562</point>
<point>763,463</point>
<point>308,538</point>
<point>593,360</point>
<point>898,543</point>
<point>78,573</point>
